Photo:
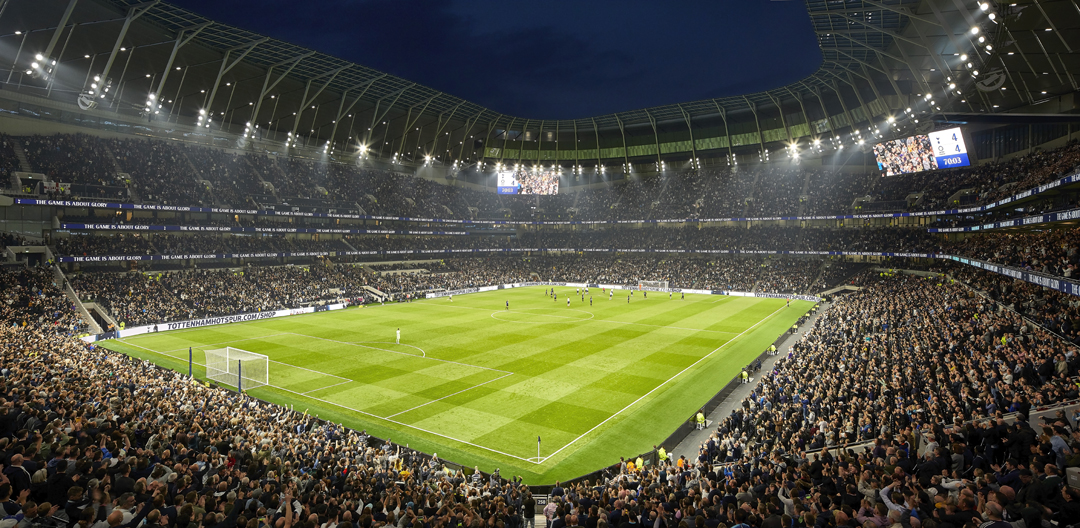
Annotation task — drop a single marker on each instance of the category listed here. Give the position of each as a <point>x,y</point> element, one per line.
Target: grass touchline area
<point>488,380</point>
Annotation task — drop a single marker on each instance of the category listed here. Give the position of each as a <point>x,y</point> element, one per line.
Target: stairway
<point>378,294</point>
<point>24,164</point>
<point>198,176</point>
<point>120,174</point>
<point>347,244</point>
<point>820,272</point>
<point>94,326</point>
<point>805,203</point>
<point>753,188</point>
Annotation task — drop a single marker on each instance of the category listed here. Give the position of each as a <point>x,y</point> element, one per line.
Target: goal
<point>654,284</point>
<point>238,368</point>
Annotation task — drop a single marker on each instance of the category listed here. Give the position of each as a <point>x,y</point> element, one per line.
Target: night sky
<point>551,59</point>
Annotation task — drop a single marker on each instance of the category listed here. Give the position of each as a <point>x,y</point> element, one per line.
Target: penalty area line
<point>375,416</point>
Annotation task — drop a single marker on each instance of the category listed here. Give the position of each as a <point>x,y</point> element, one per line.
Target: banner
<point>464,291</point>
<point>210,321</point>
<point>1071,214</point>
<point>271,212</point>
<point>222,256</point>
<point>1060,284</point>
<point>220,229</point>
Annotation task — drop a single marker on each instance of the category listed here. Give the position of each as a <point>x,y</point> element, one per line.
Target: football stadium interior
<point>248,283</point>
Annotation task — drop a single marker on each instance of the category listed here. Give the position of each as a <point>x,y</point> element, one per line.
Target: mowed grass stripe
<point>568,376</point>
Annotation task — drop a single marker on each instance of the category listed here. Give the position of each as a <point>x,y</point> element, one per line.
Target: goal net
<point>237,368</point>
<point>654,284</point>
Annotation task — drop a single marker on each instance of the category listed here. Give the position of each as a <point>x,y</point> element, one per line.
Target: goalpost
<point>654,284</point>
<point>238,368</point>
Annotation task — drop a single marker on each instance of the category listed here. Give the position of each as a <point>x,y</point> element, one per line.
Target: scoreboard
<point>949,148</point>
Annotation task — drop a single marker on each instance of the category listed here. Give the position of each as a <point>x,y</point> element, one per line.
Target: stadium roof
<point>881,57</point>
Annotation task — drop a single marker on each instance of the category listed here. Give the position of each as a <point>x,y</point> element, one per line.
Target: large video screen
<point>944,149</point>
<point>542,181</point>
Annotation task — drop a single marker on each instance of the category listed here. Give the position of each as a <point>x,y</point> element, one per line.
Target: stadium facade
<point>890,68</point>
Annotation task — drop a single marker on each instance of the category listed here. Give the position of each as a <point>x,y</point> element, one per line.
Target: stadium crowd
<point>168,173</point>
<point>93,438</point>
<point>761,238</point>
<point>925,370</point>
<point>141,298</point>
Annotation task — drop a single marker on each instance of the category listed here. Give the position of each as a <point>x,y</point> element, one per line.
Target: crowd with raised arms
<point>905,357</point>
<point>29,299</point>
<point>1050,252</point>
<point>91,438</point>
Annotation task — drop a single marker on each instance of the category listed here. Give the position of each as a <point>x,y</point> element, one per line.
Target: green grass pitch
<point>478,383</point>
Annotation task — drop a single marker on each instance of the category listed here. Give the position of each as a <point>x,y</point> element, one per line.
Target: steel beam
<point>757,122</point>
<point>656,138</point>
<point>506,137</point>
<point>376,117</point>
<point>134,12</point>
<point>596,132</point>
<point>267,85</point>
<point>183,37</point>
<point>776,101</point>
<point>626,155</point>
<point>60,27</point>
<point>409,122</point>
<point>727,130</point>
<point>305,100</point>
<point>225,67</point>
<point>690,127</point>
<point>365,86</point>
<point>894,9</point>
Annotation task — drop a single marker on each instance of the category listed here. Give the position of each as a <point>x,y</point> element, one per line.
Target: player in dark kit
<point>507,304</point>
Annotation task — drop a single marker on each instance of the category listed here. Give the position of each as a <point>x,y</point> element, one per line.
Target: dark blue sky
<point>551,59</point>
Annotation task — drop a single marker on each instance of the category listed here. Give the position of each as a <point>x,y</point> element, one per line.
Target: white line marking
<point>594,320</point>
<point>309,370</point>
<point>328,386</point>
<point>403,353</point>
<point>449,395</point>
<point>526,312</point>
<point>422,353</point>
<point>202,346</point>
<point>166,353</point>
<point>532,460</point>
<point>677,374</point>
<point>440,435</point>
